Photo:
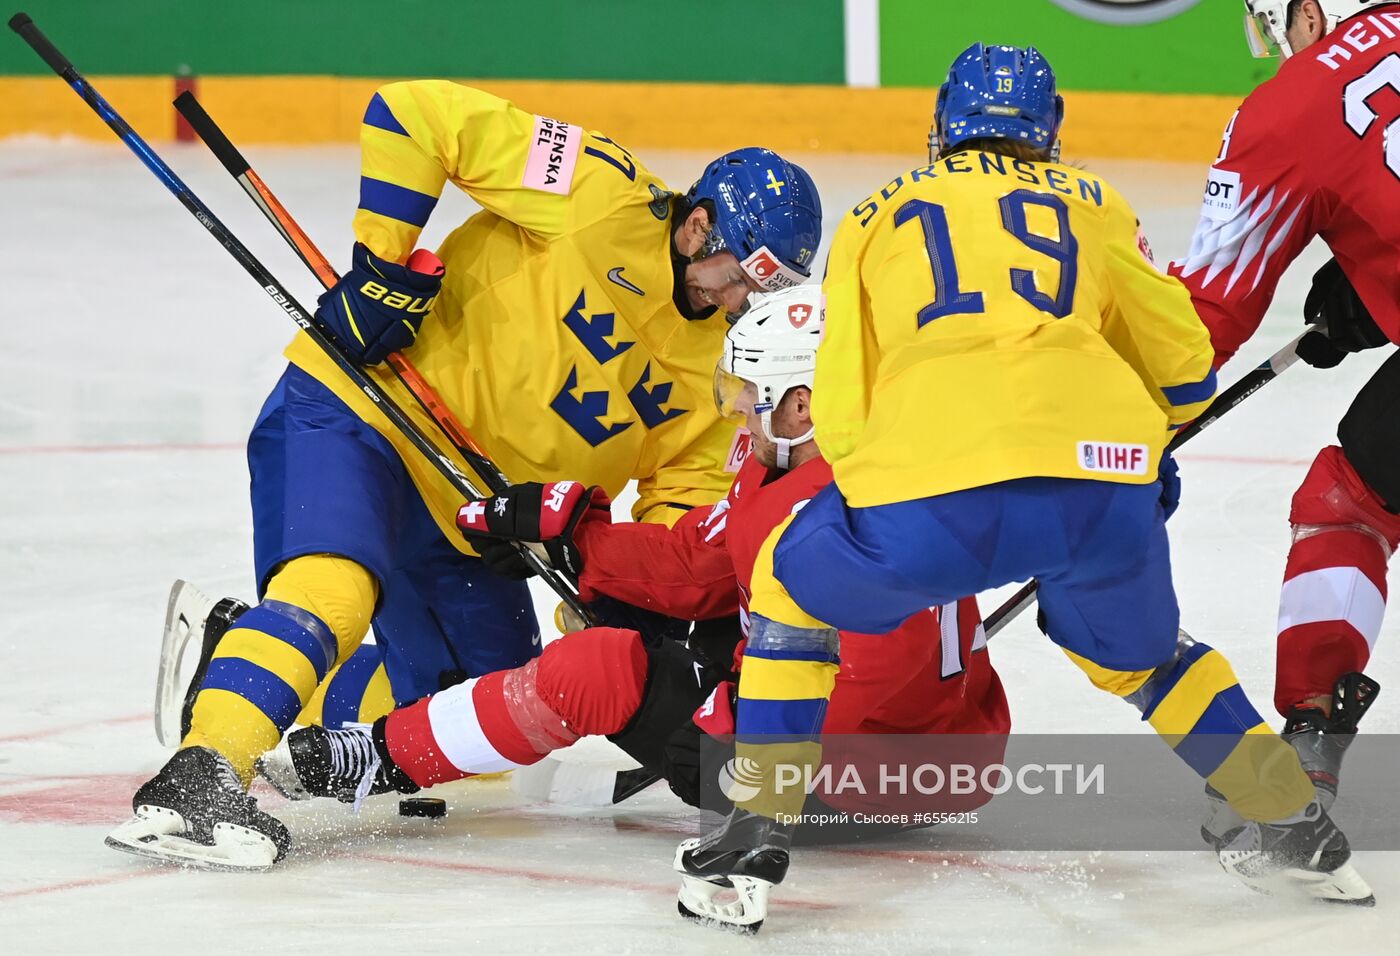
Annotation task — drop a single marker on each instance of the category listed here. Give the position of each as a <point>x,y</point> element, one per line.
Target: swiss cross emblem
<point>799,314</point>
<point>471,513</point>
<point>764,265</point>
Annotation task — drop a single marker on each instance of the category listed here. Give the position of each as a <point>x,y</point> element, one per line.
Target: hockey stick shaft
<point>241,170</point>
<point>1232,397</point>
<point>23,25</point>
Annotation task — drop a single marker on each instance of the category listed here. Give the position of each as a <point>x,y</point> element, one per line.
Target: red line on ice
<point>109,449</point>
<point>65,728</point>
<point>83,884</point>
<point>548,877</point>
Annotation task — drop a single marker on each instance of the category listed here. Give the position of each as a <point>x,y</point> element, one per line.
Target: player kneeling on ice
<point>1311,153</point>
<point>1001,368</point>
<point>930,675</point>
<point>571,323</point>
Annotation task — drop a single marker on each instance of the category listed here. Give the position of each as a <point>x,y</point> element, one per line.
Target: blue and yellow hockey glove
<point>379,306</point>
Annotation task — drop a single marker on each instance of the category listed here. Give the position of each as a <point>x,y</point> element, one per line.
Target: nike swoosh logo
<point>699,673</point>
<point>615,275</point>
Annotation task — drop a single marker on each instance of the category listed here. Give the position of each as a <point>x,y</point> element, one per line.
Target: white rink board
<point>136,354</point>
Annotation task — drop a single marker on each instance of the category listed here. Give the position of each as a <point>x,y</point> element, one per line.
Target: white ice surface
<point>135,355</point>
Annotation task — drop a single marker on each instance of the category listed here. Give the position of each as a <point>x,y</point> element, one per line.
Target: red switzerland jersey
<point>1315,151</point>
<point>930,675</point>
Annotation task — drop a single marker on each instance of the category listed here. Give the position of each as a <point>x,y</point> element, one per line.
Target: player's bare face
<point>719,281</point>
<point>790,420</point>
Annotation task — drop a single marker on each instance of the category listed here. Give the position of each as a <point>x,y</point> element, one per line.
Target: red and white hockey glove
<point>547,514</point>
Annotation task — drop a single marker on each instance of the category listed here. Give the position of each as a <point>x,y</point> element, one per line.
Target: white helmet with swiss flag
<point>769,351</point>
<point>1266,22</point>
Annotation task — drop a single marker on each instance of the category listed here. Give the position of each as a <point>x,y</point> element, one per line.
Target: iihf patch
<point>1113,458</point>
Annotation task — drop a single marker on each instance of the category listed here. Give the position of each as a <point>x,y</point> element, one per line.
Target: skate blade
<point>277,768</point>
<point>185,613</point>
<point>739,904</point>
<point>1343,885</point>
<point>156,833</point>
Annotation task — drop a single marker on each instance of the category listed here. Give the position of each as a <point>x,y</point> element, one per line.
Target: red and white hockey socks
<point>589,682</point>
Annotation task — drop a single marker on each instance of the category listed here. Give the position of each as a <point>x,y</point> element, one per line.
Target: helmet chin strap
<point>784,446</point>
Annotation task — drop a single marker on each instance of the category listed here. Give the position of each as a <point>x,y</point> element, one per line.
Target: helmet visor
<point>734,396</point>
<point>1257,34</point>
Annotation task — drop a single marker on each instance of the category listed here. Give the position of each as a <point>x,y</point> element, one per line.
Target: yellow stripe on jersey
<point>768,596</point>
<point>768,679</point>
<point>1262,778</point>
<point>1118,683</point>
<point>267,666</point>
<point>1181,708</point>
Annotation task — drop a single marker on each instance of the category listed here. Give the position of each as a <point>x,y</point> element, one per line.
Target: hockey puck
<point>423,807</point>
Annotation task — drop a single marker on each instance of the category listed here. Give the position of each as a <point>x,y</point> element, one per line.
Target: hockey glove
<point>548,514</point>
<point>1346,323</point>
<point>378,306</point>
<point>1170,480</point>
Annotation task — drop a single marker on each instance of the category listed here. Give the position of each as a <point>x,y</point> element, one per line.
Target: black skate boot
<point>747,856</point>
<point>196,813</point>
<point>348,764</point>
<point>1306,851</point>
<point>1320,740</point>
<point>220,619</point>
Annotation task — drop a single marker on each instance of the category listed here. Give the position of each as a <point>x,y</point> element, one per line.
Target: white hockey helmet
<point>1266,22</point>
<point>771,350</point>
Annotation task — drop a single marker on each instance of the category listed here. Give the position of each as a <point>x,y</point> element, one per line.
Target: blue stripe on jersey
<point>396,202</point>
<point>304,631</point>
<point>348,686</point>
<point>1204,753</point>
<point>1164,685</point>
<point>758,721</point>
<point>378,115</point>
<point>257,685</point>
<point>1191,392</point>
<point>789,654</point>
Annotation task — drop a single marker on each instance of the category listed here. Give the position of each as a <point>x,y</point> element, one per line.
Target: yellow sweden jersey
<point>555,339</point>
<point>990,319</point>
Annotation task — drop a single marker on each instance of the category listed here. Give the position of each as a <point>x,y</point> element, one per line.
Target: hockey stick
<point>1251,382</point>
<point>241,170</point>
<point>22,24</point>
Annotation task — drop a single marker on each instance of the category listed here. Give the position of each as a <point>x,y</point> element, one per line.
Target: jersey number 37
<point>951,299</point>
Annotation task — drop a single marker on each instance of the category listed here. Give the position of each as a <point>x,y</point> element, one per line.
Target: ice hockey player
<point>930,675</point>
<point>572,324</point>
<point>1000,370</point>
<point>1313,152</point>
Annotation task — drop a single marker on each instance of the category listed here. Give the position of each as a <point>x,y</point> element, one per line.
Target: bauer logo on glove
<point>378,306</point>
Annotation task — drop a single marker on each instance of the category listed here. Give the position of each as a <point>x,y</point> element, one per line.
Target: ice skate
<point>344,764</point>
<point>1306,851</point>
<point>726,876</point>
<point>188,612</point>
<point>196,813</point>
<point>1320,740</point>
